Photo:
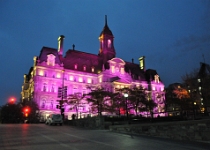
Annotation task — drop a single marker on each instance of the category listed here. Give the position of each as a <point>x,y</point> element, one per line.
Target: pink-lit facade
<point>77,70</point>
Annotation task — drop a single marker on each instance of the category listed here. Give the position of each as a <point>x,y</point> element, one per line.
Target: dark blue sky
<point>172,34</point>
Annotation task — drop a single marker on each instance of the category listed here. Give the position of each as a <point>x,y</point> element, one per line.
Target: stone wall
<point>197,130</point>
<point>89,122</point>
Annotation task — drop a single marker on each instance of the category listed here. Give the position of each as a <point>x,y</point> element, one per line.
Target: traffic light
<point>59,92</point>
<point>65,92</point>
<point>26,111</point>
<point>12,100</point>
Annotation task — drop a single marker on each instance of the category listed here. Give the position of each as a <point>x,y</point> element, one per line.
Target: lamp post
<point>126,103</point>
<point>194,109</point>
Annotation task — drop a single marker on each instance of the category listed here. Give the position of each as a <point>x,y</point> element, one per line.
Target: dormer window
<point>75,66</point>
<point>84,68</point>
<point>92,69</point>
<point>109,43</point>
<point>122,70</point>
<point>112,69</point>
<point>156,78</point>
<point>51,60</point>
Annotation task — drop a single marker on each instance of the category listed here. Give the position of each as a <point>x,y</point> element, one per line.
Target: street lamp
<point>126,103</point>
<point>194,109</point>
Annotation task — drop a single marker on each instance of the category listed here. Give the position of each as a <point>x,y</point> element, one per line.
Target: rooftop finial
<point>105,20</point>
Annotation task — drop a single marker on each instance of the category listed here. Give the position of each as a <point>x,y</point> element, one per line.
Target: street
<point>44,137</point>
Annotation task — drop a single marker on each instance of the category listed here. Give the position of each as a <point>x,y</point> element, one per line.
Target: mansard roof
<point>81,59</point>
<point>134,70</point>
<point>88,60</point>
<point>150,75</point>
<point>46,51</point>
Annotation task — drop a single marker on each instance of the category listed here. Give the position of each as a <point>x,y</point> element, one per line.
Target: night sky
<point>173,35</point>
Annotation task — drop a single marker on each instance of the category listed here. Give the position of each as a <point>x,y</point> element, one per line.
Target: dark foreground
<point>41,136</point>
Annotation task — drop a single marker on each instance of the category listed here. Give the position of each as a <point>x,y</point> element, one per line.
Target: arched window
<point>43,104</point>
<point>44,87</point>
<point>52,89</point>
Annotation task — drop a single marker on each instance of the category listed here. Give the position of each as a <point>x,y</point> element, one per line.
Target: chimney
<point>60,44</point>
<point>132,60</point>
<point>142,63</point>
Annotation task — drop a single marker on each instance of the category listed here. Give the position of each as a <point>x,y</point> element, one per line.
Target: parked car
<point>54,119</point>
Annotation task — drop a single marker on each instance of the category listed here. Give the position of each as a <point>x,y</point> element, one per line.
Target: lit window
<point>199,80</point>
<point>58,75</point>
<point>41,72</point>
<point>189,91</point>
<point>118,86</point>
<point>201,103</point>
<point>75,66</point>
<point>92,69</point>
<point>80,79</point>
<point>199,88</point>
<point>112,69</point>
<point>84,68</point>
<point>156,78</point>
<point>88,80</point>
<point>100,80</point>
<point>122,70</point>
<point>71,78</point>
<point>153,88</point>
<point>109,43</point>
<point>51,60</point>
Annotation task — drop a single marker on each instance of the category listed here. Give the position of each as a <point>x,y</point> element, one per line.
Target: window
<point>52,89</point>
<point>41,72</point>
<point>52,104</point>
<point>109,43</point>
<point>153,88</point>
<point>92,69</point>
<point>51,60</point>
<point>84,68</point>
<point>88,80</point>
<point>80,79</point>
<point>199,80</point>
<point>112,67</point>
<point>43,104</point>
<point>58,75</point>
<point>44,87</point>
<point>75,66</point>
<point>122,70</point>
<point>100,80</point>
<point>71,78</point>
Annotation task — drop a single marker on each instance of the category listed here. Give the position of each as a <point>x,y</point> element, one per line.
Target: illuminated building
<point>78,69</point>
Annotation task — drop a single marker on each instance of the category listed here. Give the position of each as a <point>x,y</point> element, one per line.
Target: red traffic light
<point>26,110</point>
<point>12,100</point>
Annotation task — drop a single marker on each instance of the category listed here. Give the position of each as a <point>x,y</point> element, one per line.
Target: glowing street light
<point>126,103</point>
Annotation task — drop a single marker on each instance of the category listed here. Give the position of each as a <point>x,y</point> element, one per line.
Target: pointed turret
<point>106,39</point>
